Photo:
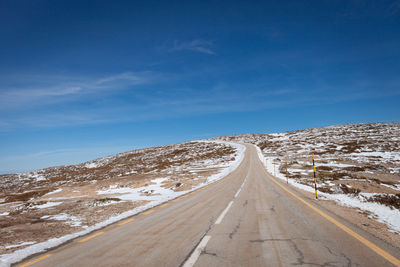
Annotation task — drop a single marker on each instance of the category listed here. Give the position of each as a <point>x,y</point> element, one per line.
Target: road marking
<point>237,193</point>
<point>35,260</point>
<point>90,237</point>
<point>245,179</point>
<point>219,220</point>
<point>148,212</point>
<point>196,253</point>
<point>363,240</point>
<point>127,221</point>
<point>243,182</point>
<point>164,205</point>
<point>175,200</point>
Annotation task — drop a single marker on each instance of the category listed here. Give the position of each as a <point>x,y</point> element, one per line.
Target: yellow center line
<point>148,212</point>
<point>164,205</point>
<point>363,240</point>
<point>90,237</point>
<point>35,260</point>
<point>125,222</point>
<point>175,200</point>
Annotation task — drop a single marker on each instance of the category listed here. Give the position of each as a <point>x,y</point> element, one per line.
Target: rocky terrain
<point>53,202</point>
<point>357,165</point>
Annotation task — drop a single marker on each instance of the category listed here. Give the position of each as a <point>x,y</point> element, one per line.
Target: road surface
<point>246,219</point>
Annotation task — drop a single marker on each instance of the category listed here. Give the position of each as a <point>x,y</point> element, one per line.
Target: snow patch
<point>333,164</point>
<point>382,213</point>
<point>21,244</point>
<point>394,187</point>
<point>70,219</point>
<point>92,165</point>
<point>152,192</point>
<point>54,192</point>
<point>162,195</point>
<point>36,176</point>
<point>47,205</point>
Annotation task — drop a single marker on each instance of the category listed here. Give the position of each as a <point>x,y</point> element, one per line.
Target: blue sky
<point>84,79</point>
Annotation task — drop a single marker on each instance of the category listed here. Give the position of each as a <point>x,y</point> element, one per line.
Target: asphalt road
<point>248,218</point>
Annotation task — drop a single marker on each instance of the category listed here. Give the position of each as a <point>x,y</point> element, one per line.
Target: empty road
<point>248,218</point>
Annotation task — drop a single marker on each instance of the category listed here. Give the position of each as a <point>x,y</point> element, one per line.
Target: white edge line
<point>219,220</point>
<point>243,182</point>
<point>196,253</point>
<point>237,193</point>
<point>21,254</point>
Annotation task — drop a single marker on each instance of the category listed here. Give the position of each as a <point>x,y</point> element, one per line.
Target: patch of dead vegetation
<point>25,196</point>
<point>186,165</point>
<point>350,159</point>
<point>171,160</point>
<point>392,201</point>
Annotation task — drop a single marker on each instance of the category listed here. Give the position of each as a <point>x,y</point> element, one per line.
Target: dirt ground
<point>54,202</point>
<point>25,223</point>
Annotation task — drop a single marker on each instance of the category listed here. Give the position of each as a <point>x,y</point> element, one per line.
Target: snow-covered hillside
<point>60,203</point>
<point>357,165</point>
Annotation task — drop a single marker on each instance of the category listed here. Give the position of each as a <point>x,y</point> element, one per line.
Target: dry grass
<point>392,201</point>
<point>186,165</point>
<point>346,149</point>
<point>349,190</point>
<point>164,160</point>
<point>25,196</point>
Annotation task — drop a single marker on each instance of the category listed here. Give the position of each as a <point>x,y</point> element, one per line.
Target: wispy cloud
<point>138,105</point>
<point>56,157</point>
<point>126,78</point>
<point>198,45</point>
<point>109,99</point>
<point>33,90</point>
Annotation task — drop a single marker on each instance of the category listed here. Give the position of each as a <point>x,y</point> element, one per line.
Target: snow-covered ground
<point>154,192</point>
<point>368,152</point>
<point>382,213</point>
<point>357,166</point>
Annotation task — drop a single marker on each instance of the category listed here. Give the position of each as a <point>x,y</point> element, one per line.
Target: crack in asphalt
<point>205,252</point>
<point>349,262</point>
<point>300,255</point>
<point>210,224</point>
<point>231,234</point>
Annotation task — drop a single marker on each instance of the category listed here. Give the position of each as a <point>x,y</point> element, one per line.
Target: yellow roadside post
<point>315,177</point>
